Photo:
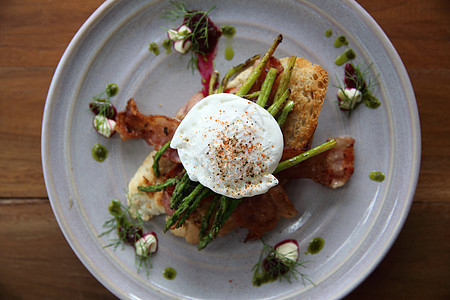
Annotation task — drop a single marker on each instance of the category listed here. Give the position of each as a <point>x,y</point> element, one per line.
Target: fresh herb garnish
<point>104,111</point>
<point>196,20</point>
<point>202,34</point>
<point>358,78</point>
<point>129,229</point>
<point>272,265</point>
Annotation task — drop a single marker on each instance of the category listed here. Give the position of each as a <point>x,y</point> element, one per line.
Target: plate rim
<point>388,46</point>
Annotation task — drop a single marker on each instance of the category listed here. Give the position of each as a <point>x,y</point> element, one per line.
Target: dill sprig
<point>199,28</point>
<point>272,265</point>
<point>198,23</point>
<point>102,104</point>
<point>129,230</point>
<point>361,82</point>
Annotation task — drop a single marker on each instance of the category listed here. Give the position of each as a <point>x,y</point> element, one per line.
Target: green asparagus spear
<point>207,217</point>
<point>184,205</point>
<point>203,194</point>
<point>243,90</point>
<point>277,105</point>
<point>180,188</point>
<point>212,82</point>
<point>252,95</point>
<point>158,187</point>
<point>158,155</point>
<point>266,87</point>
<point>285,78</point>
<point>285,112</point>
<point>305,155</point>
<point>235,70</point>
<point>226,208</point>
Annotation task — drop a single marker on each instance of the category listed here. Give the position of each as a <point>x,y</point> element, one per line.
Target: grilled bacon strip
<point>260,214</point>
<point>332,168</point>
<point>156,130</point>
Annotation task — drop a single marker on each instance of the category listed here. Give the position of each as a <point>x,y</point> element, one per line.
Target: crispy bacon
<point>332,168</point>
<point>182,112</point>
<point>156,130</point>
<point>260,214</point>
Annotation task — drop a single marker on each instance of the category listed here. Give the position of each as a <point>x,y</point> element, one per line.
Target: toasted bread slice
<point>148,204</point>
<point>308,85</point>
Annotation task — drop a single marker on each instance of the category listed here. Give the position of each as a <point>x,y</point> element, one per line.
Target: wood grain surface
<point>36,262</point>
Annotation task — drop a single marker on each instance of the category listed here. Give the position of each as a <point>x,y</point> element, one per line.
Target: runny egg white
<point>230,145</point>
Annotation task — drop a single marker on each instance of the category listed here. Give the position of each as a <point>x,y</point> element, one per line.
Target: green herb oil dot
<point>229,52</point>
<point>228,31</point>
<point>167,44</point>
<point>169,273</point>
<point>340,41</point>
<point>376,176</point>
<point>99,152</point>
<point>328,32</point>
<point>316,245</point>
<point>348,55</point>
<point>111,90</point>
<point>153,47</point>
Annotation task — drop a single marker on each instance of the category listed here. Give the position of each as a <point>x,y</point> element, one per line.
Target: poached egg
<point>230,145</point>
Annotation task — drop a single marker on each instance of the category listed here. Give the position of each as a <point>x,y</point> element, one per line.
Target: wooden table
<point>37,262</point>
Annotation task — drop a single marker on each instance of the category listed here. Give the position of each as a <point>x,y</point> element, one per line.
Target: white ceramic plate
<point>358,222</point>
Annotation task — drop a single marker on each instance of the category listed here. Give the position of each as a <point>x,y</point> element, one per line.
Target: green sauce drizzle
<point>340,41</point>
<point>99,152</point>
<point>370,100</point>
<point>167,44</point>
<point>153,47</point>
<point>169,273</point>
<point>316,245</point>
<point>229,52</point>
<point>376,176</point>
<point>228,31</point>
<point>348,55</point>
<point>263,278</point>
<point>328,32</point>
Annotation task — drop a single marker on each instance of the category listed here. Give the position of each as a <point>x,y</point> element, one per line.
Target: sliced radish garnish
<point>104,126</point>
<point>182,46</point>
<point>172,34</point>
<point>147,245</point>
<point>183,30</point>
<point>287,251</point>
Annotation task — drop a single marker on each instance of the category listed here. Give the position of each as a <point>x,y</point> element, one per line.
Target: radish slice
<point>348,98</point>
<point>183,30</point>
<point>180,34</point>
<point>287,251</point>
<point>182,46</point>
<point>104,126</point>
<point>146,245</point>
<point>172,34</point>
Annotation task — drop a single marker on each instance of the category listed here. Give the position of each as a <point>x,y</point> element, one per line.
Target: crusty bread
<point>308,85</point>
<point>148,204</point>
